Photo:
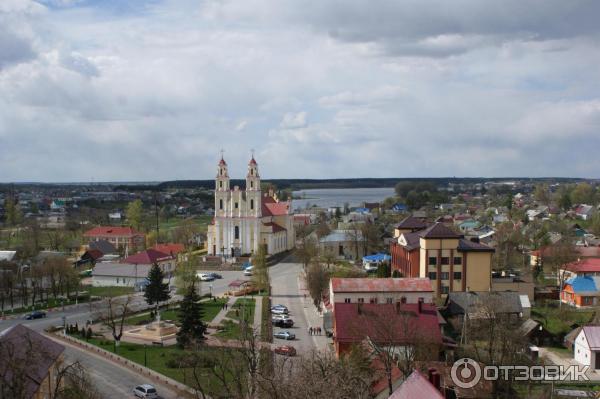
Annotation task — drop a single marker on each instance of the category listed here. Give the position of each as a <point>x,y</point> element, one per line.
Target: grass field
<point>109,291</point>
<point>559,320</point>
<point>164,360</point>
<point>209,310</point>
<point>242,309</point>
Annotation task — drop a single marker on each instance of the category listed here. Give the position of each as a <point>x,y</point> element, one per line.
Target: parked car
<point>145,391</point>
<point>248,272</point>
<point>36,314</point>
<point>215,275</point>
<point>285,350</point>
<point>283,323</point>
<point>205,277</point>
<point>277,310</point>
<point>280,317</point>
<point>285,335</point>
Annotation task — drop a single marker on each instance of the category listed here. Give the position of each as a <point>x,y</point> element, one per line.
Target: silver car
<point>145,391</point>
<point>285,335</point>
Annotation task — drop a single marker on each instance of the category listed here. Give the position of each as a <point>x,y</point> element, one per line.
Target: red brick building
<point>120,237</point>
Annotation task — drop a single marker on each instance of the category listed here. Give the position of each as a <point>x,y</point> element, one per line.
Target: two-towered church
<point>245,218</point>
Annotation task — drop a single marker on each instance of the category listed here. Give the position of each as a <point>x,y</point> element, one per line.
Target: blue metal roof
<point>582,284</point>
<point>377,258</point>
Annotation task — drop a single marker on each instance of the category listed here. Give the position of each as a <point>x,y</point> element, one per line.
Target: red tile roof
<point>112,231</point>
<point>584,266</point>
<point>222,162</point>
<point>276,228</point>
<point>147,257</point>
<point>416,386</point>
<point>354,322</point>
<point>381,284</point>
<point>270,207</point>
<point>169,248</point>
<point>252,162</point>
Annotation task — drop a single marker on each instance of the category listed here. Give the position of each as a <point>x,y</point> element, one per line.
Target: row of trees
<point>52,277</point>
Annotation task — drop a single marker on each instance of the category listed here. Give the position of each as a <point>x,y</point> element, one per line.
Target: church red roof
<point>252,162</point>
<point>270,207</point>
<point>276,228</point>
<point>170,248</point>
<point>222,162</point>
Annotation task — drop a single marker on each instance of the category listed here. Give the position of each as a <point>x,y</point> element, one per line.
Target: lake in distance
<point>337,197</point>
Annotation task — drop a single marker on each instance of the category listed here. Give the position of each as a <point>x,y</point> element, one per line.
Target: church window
<point>236,205</point>
<point>220,204</point>
<point>252,172</point>
<point>251,204</point>
<point>251,184</point>
<point>221,184</point>
<point>237,232</point>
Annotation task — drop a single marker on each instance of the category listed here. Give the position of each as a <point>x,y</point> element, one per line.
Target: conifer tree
<point>190,318</point>
<point>156,290</point>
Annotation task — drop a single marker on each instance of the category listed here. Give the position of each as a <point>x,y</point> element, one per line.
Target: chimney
<point>434,377</point>
<point>420,306</point>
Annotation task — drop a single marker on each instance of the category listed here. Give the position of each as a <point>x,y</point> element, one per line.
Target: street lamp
<point>145,357</point>
<point>210,286</point>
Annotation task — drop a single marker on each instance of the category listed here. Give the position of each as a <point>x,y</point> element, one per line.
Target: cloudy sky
<point>111,90</point>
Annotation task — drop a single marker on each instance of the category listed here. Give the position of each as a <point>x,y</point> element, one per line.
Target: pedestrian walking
<point>310,331</point>
<point>319,330</point>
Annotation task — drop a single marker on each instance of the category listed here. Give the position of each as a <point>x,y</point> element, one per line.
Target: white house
<point>108,274</point>
<point>587,347</point>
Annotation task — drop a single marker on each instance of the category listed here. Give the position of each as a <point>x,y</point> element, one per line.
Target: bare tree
<point>115,312</point>
<point>307,250</point>
<point>557,257</point>
<point>73,382</point>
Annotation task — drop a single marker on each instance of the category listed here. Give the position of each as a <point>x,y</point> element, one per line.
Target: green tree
<point>260,274</point>
<point>317,281</point>
<point>12,211</point>
<point>595,224</point>
<point>134,213</point>
<point>156,290</point>
<point>190,317</point>
<point>564,201</point>
<point>583,193</point>
<point>542,194</point>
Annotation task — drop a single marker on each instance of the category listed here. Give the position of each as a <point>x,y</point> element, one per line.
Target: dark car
<point>285,350</point>
<point>215,275</point>
<point>36,314</point>
<point>284,323</point>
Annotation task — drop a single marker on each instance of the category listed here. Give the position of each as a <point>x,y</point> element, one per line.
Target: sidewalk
<point>258,313</point>
<point>223,312</point>
<point>314,318</point>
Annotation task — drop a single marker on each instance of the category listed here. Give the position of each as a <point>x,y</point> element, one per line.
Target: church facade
<point>246,218</point>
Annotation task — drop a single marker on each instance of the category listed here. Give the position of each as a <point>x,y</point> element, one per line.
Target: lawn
<point>109,291</point>
<point>164,360</point>
<point>558,321</point>
<point>242,309</point>
<point>210,309</point>
<point>202,220</point>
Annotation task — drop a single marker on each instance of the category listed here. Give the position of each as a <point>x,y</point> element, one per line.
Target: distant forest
<point>281,184</point>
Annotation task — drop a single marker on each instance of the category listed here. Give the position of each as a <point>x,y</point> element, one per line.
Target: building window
<point>361,300</point>
<point>445,289</point>
<point>251,204</point>
<point>444,275</point>
<point>457,275</point>
<point>236,205</point>
<point>403,299</point>
<point>445,260</point>
<point>347,300</point>
<point>341,250</point>
<point>432,260</point>
<point>389,300</point>
<point>221,184</point>
<point>237,232</point>
<point>458,260</point>
<point>432,275</point>
<point>372,300</point>
<point>220,204</point>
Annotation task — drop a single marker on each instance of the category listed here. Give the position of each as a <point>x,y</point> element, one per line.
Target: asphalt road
<point>285,291</point>
<point>111,379</point>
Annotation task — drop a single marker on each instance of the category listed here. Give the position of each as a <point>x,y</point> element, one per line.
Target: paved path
<point>564,361</point>
<point>257,313</point>
<point>223,312</point>
<point>286,291</point>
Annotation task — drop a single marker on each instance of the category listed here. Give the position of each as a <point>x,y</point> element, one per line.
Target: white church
<point>245,218</point>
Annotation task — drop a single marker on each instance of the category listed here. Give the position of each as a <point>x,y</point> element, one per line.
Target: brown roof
<point>412,240</point>
<point>416,386</point>
<point>465,245</point>
<point>23,350</point>
<point>112,231</point>
<point>438,230</point>
<point>412,223</point>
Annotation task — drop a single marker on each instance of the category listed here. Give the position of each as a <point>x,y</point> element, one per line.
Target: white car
<point>248,272</point>
<point>280,317</point>
<point>205,277</point>
<point>279,310</point>
<point>145,391</point>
